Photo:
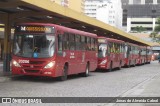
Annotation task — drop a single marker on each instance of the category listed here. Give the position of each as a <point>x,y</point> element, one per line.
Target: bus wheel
<point>120,65</point>
<point>129,65</point>
<point>134,64</point>
<point>110,69</point>
<point>86,73</point>
<point>64,73</point>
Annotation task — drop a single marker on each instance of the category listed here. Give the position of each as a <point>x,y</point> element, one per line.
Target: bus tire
<point>129,64</point>
<point>134,64</point>
<point>65,72</point>
<point>120,65</point>
<point>110,68</point>
<point>86,73</point>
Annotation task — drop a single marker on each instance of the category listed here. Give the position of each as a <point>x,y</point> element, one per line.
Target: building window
<point>158,1</point>
<point>136,1</point>
<point>124,2</point>
<point>148,1</point>
<point>141,23</point>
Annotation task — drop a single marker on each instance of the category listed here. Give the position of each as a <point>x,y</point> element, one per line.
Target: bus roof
<point>131,44</point>
<point>111,39</point>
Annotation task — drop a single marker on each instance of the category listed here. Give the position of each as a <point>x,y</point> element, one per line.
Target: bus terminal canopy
<point>46,11</point>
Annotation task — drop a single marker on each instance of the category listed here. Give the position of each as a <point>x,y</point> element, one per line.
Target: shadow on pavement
<point>44,79</point>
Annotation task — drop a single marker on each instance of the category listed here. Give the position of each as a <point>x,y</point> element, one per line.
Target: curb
<point>3,79</point>
<point>5,76</point>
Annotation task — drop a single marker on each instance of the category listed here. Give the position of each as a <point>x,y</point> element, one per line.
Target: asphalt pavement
<point>147,84</point>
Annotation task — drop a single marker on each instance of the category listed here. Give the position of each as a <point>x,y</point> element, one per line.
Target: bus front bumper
<point>33,72</point>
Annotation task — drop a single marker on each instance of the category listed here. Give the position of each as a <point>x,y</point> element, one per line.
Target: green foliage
<point>155,35</point>
<point>139,29</point>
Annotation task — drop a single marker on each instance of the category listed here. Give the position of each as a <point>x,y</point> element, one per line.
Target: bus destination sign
<point>101,40</point>
<point>35,29</point>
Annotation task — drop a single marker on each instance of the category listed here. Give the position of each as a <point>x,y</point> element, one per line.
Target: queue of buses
<point>56,51</point>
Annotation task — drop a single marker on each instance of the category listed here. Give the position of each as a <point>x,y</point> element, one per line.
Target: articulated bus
<point>110,53</point>
<point>131,54</point>
<point>53,50</point>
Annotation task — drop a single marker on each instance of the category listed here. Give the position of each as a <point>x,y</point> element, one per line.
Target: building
<point>140,13</point>
<point>77,5</point>
<point>107,11</point>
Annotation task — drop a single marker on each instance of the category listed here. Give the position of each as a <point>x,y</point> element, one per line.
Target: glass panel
<point>102,50</point>
<point>34,45</point>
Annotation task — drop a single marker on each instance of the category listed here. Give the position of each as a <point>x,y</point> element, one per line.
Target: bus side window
<point>88,43</point>
<point>92,44</point>
<point>86,46</point>
<point>83,44</point>
<point>111,50</point>
<point>116,48</point>
<point>95,44</point>
<point>123,48</point>
<point>113,47</point>
<point>78,42</point>
<point>120,48</point>
<point>72,41</point>
<point>66,42</point>
<point>60,44</point>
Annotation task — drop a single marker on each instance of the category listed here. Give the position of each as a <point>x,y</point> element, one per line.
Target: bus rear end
<point>131,54</point>
<point>103,58</point>
<point>110,53</point>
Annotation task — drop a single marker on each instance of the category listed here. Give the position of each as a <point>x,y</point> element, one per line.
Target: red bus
<point>149,54</point>
<point>153,57</point>
<point>142,55</point>
<point>52,50</point>
<point>110,53</point>
<point>131,54</point>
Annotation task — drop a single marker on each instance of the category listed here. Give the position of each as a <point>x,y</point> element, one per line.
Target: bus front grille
<point>37,62</point>
<point>31,71</point>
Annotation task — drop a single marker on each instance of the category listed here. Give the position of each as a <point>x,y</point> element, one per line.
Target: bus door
<point>60,58</point>
<point>81,53</point>
<point>128,52</point>
<point>73,61</point>
<point>112,55</point>
<point>126,49</point>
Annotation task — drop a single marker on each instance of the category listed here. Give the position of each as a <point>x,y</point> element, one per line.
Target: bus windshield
<point>34,45</point>
<point>102,50</point>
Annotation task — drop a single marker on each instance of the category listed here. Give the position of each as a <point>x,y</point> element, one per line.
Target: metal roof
<point>47,11</point>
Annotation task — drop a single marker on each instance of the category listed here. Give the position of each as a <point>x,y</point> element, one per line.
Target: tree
<point>155,35</point>
<point>139,29</point>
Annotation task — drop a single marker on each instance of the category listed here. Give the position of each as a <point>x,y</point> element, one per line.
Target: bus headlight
<point>49,65</point>
<point>15,64</point>
<point>104,62</point>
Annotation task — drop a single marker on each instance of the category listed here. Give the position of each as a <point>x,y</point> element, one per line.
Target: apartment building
<point>107,11</point>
